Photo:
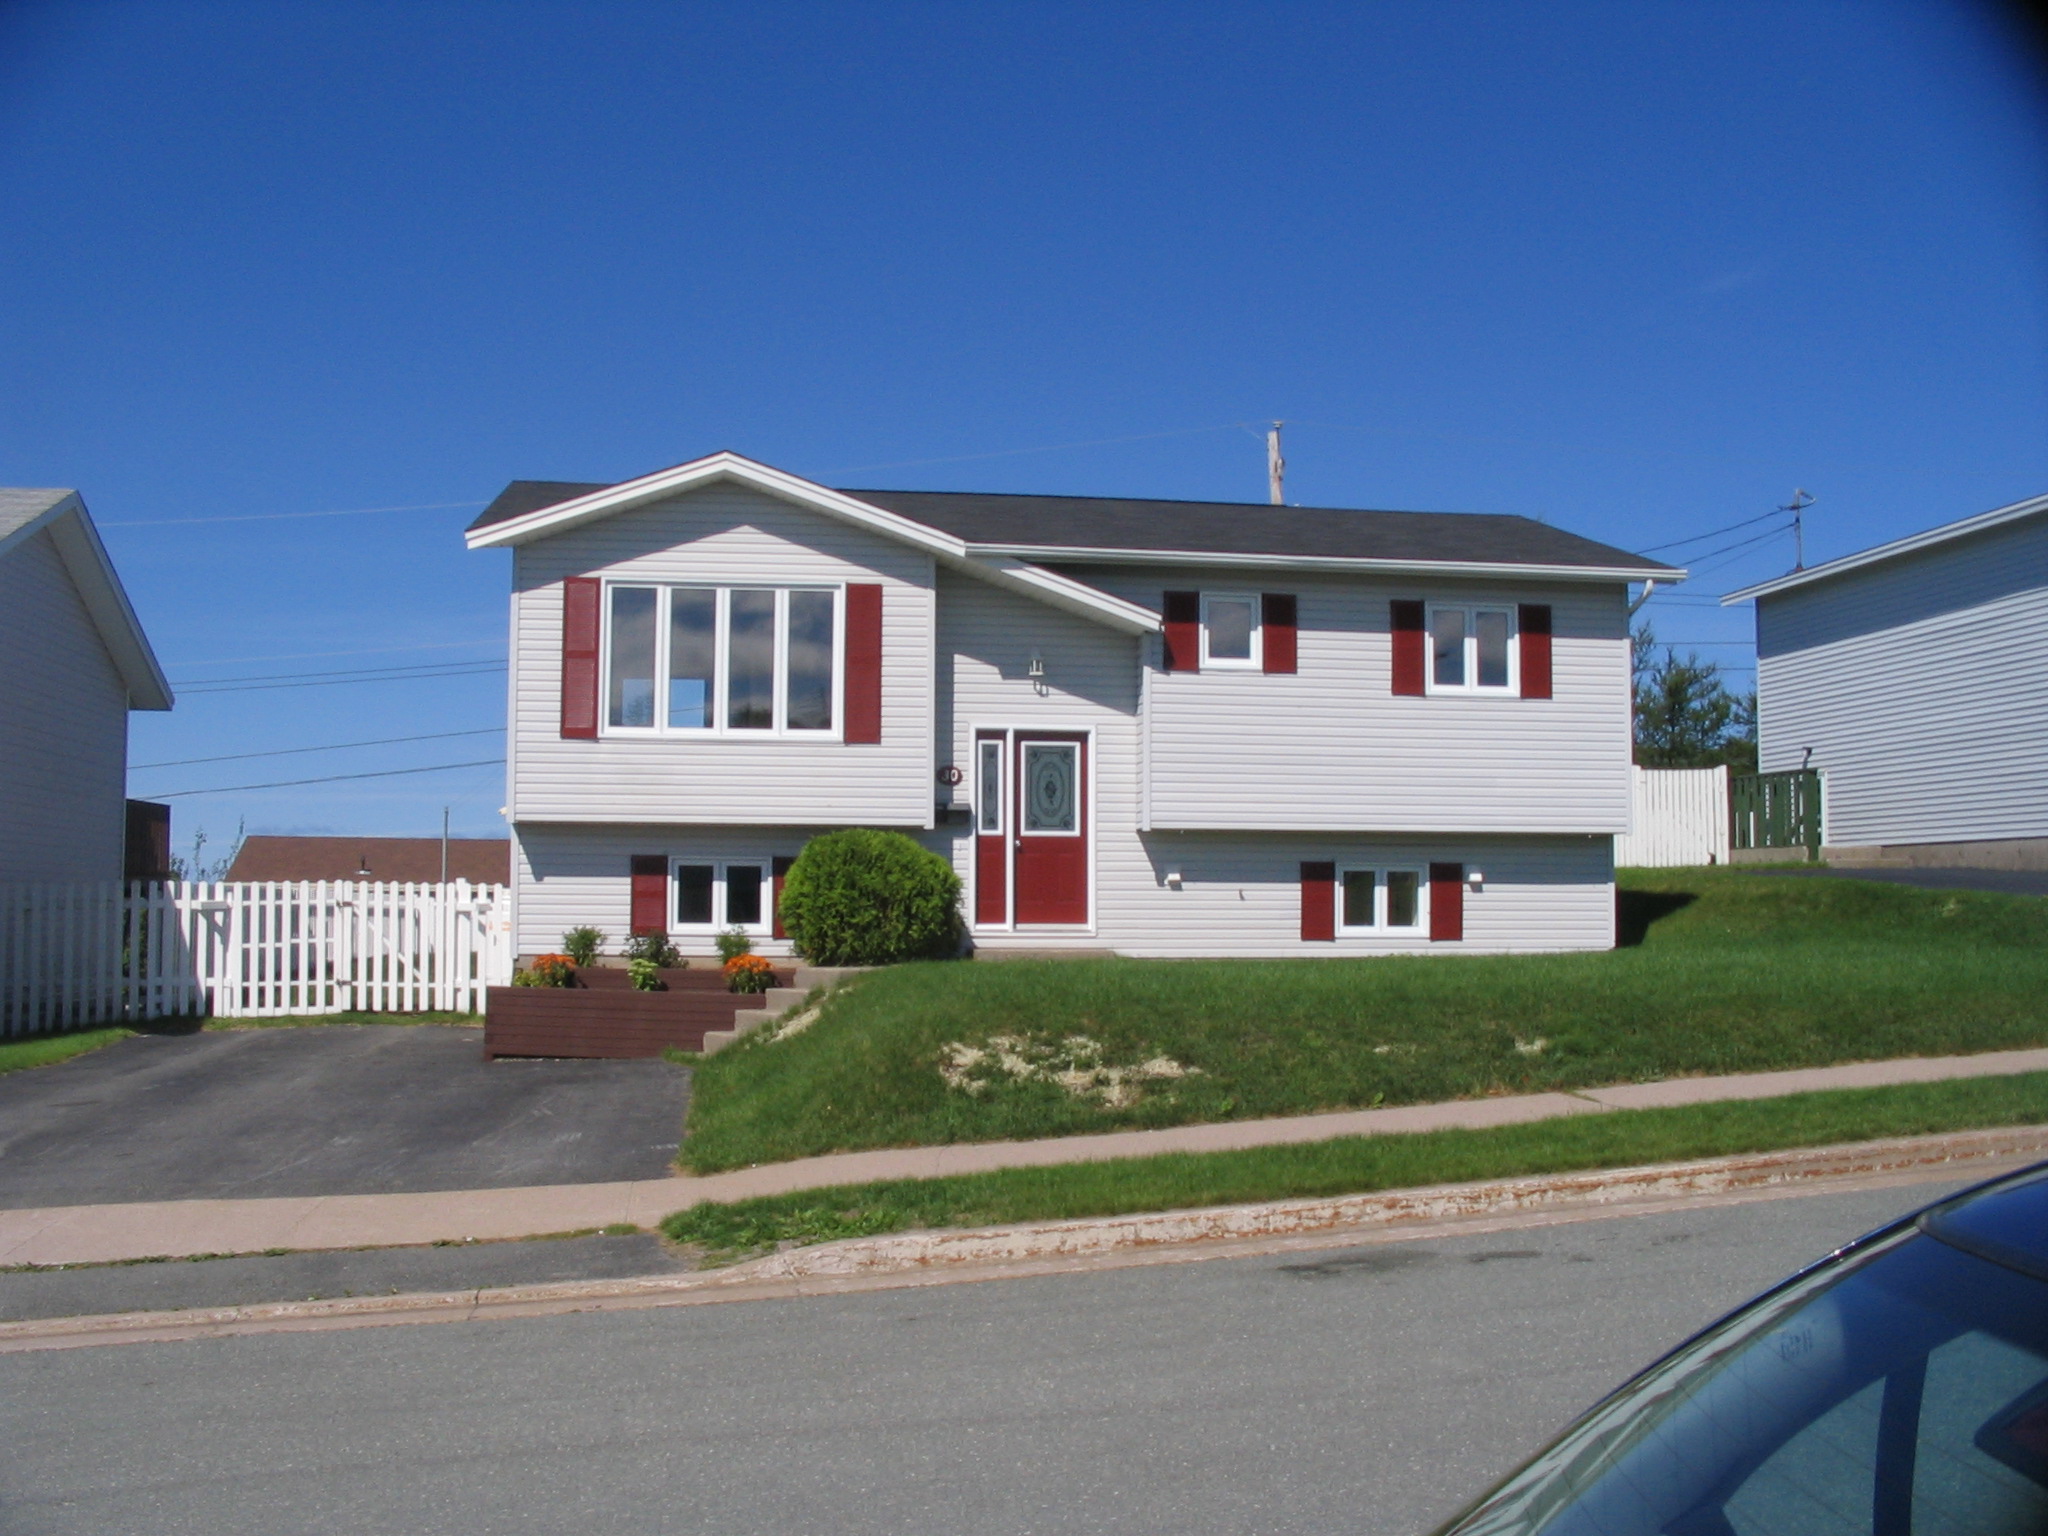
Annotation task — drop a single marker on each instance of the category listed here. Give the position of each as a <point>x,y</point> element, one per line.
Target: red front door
<point>1049,827</point>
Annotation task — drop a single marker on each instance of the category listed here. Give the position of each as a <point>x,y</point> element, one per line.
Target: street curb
<point>921,1258</point>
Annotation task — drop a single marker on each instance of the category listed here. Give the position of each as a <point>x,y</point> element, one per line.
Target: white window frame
<point>1471,686</point>
<point>721,642</point>
<point>719,923</point>
<point>1379,927</point>
<point>1257,660</point>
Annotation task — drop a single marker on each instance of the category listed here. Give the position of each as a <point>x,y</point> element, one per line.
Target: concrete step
<point>777,1001</point>
<point>828,976</point>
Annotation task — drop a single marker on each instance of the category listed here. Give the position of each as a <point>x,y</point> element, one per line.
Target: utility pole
<point>1276,467</point>
<point>1799,503</point>
<point>444,845</point>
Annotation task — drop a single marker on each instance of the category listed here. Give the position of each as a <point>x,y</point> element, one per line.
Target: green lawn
<point>1720,971</point>
<point>1357,1164</point>
<point>48,1050</point>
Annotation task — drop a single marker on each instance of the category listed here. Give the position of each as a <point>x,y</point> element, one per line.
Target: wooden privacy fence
<point>1677,816</point>
<point>1777,810</point>
<point>74,955</point>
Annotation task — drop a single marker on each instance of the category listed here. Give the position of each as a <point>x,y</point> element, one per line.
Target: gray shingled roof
<point>1204,527</point>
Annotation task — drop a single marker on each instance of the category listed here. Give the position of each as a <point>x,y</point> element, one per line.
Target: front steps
<point>777,1001</point>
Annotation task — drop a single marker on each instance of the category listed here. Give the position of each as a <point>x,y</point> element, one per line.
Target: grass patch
<point>301,1021</point>
<point>1719,970</point>
<point>47,1050</point>
<point>1357,1164</point>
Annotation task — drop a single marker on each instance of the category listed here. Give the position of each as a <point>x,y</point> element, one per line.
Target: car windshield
<point>1903,1395</point>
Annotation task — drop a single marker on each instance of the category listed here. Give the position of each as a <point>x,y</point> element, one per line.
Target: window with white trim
<point>1471,649</point>
<point>713,897</point>
<point>1381,900</point>
<point>724,660</point>
<point>1231,631</point>
<point>988,787</point>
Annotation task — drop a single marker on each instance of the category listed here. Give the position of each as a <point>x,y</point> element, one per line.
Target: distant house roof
<point>1983,522</point>
<point>26,512</point>
<point>1095,529</point>
<point>404,860</point>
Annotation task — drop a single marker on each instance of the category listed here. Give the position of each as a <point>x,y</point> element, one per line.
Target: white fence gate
<point>1679,816</point>
<point>73,955</point>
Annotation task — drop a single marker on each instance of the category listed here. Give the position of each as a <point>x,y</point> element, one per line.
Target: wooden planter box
<point>603,1017</point>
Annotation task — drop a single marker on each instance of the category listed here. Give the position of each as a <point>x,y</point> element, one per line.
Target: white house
<point>75,661</point>
<point>1152,727</point>
<point>1914,676</point>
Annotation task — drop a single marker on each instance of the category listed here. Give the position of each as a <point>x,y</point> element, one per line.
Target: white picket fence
<point>1679,816</point>
<point>74,955</point>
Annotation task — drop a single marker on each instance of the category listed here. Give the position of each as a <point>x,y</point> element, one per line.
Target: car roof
<point>2005,1222</point>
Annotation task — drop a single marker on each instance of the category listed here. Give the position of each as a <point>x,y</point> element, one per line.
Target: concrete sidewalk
<point>86,1234</point>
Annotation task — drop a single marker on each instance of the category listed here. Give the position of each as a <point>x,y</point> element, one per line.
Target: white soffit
<point>1912,544</point>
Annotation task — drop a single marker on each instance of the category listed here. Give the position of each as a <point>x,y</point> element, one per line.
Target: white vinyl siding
<point>1921,685</point>
<point>1240,891</point>
<point>1331,748</point>
<point>732,537</point>
<point>63,727</point>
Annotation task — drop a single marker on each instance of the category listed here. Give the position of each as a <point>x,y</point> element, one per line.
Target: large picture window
<point>1471,650</point>
<point>723,660</point>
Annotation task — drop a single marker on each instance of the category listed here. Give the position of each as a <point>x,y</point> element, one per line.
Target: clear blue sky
<point>1638,269</point>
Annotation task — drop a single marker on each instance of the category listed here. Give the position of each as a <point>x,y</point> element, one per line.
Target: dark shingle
<point>1207,527</point>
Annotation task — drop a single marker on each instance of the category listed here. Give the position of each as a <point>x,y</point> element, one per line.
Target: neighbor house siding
<point>1921,687</point>
<point>63,727</point>
<point>728,536</point>
<point>1330,747</point>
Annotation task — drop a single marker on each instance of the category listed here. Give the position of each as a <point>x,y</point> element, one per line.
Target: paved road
<point>1367,1390</point>
<point>327,1110</point>
<point>2012,882</point>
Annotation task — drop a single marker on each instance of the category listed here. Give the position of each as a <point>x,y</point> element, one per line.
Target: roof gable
<point>1069,529</point>
<point>1947,533</point>
<point>26,512</point>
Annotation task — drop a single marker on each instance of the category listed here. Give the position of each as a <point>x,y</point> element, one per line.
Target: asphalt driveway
<point>2013,882</point>
<point>326,1110</point>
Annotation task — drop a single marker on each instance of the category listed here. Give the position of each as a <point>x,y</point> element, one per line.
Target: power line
<point>1701,538</point>
<point>268,517</point>
<point>374,650</point>
<point>332,778</point>
<point>314,680</point>
<point>339,746</point>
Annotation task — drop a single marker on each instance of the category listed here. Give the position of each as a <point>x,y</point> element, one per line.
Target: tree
<point>1685,715</point>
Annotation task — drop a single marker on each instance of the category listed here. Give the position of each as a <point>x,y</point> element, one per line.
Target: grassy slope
<point>1359,1164</point>
<point>47,1050</point>
<point>1732,971</point>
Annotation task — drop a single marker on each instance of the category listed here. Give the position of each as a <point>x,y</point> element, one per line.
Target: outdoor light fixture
<point>1474,877</point>
<point>1173,878</point>
<point>1037,666</point>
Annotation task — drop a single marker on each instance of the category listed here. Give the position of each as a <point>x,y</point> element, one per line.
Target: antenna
<point>1799,503</point>
<point>1276,467</point>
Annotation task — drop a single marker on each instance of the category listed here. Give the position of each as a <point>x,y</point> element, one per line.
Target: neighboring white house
<point>1154,727</point>
<point>1914,676</point>
<point>75,661</point>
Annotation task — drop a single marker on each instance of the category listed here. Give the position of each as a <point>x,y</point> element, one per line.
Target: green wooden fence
<point>1775,810</point>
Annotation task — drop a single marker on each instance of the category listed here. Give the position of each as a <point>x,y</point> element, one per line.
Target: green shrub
<point>655,949</point>
<point>733,943</point>
<point>862,897</point>
<point>646,975</point>
<point>582,944</point>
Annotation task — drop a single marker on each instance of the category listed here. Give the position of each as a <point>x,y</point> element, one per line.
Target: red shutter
<point>1319,901</point>
<point>778,867</point>
<point>581,600</point>
<point>650,893</point>
<point>863,662</point>
<point>1446,901</point>
<point>1534,624</point>
<point>1276,619</point>
<point>1410,652</point>
<point>1183,614</point>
